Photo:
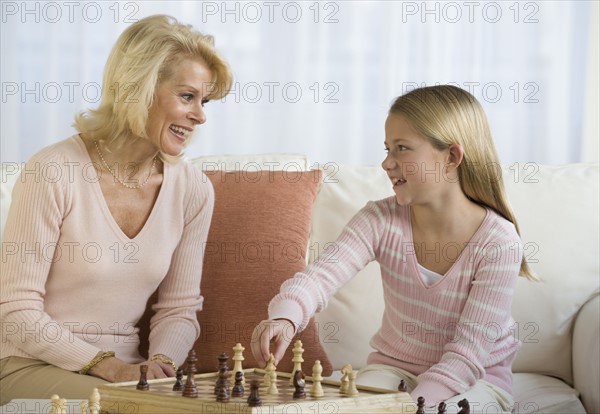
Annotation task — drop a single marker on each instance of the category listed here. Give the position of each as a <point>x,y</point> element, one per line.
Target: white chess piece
<point>55,407</point>
<point>94,404</point>
<point>238,357</point>
<point>297,359</point>
<point>268,369</point>
<point>83,406</point>
<point>316,390</point>
<point>346,369</point>
<point>273,383</point>
<point>352,390</point>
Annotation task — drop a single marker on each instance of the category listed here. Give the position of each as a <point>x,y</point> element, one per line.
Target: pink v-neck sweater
<point>449,334</point>
<point>73,283</point>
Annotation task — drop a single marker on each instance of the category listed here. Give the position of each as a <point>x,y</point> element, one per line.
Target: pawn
<point>299,384</point>
<point>464,406</point>
<point>178,386</point>
<point>142,385</point>
<point>238,388</point>
<point>442,408</point>
<point>59,405</point>
<point>420,405</point>
<point>94,401</point>
<point>402,386</point>
<point>254,398</point>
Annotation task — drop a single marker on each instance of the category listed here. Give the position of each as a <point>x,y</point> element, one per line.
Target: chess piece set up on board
<point>232,384</point>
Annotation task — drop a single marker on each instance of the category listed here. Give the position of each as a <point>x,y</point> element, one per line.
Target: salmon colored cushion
<point>257,239</point>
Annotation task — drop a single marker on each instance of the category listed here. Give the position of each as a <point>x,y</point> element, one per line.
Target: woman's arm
<point>39,203</point>
<point>174,328</point>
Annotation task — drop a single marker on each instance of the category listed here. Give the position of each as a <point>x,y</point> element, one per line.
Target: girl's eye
<point>402,148</point>
<point>387,150</point>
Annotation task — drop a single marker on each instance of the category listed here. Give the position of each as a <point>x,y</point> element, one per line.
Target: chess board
<point>160,399</point>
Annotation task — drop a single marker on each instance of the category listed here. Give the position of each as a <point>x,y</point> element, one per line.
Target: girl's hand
<point>116,370</point>
<point>280,332</point>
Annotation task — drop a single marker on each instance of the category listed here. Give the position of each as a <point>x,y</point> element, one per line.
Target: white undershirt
<point>429,277</point>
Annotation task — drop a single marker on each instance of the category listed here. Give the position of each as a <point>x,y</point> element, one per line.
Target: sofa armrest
<point>586,354</point>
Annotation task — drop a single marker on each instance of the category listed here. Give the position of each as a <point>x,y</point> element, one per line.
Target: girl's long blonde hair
<point>447,115</point>
<point>142,57</point>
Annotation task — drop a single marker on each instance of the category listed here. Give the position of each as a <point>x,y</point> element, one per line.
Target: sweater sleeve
<point>174,327</point>
<point>485,322</point>
<point>308,292</point>
<point>40,200</point>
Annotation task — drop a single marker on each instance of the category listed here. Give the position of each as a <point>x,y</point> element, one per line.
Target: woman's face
<point>178,106</point>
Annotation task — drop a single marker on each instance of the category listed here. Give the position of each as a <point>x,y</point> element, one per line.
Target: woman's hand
<point>116,370</point>
<point>280,332</point>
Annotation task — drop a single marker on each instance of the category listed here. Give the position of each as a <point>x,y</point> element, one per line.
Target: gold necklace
<point>114,174</point>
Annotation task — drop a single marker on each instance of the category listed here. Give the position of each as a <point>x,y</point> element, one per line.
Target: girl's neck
<point>446,217</point>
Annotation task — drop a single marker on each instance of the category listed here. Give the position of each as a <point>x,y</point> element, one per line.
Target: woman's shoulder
<point>65,152</point>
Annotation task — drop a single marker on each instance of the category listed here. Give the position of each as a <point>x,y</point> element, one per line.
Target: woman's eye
<point>387,150</point>
<point>205,101</point>
<point>401,148</point>
<point>187,97</point>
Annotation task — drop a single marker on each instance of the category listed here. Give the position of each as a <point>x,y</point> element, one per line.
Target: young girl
<point>450,255</point>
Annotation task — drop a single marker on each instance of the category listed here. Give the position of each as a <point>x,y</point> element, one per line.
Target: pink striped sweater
<point>449,334</point>
<point>73,283</point>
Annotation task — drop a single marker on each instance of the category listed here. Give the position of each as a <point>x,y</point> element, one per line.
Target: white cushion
<point>9,173</point>
<point>536,393</point>
<point>557,210</point>
<point>250,163</point>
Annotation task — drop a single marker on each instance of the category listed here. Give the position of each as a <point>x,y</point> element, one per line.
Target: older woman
<point>119,216</point>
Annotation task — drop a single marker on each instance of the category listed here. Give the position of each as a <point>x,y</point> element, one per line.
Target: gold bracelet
<point>164,359</point>
<point>95,361</point>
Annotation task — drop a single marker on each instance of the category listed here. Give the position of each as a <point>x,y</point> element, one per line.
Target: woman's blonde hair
<point>142,57</point>
<point>446,115</point>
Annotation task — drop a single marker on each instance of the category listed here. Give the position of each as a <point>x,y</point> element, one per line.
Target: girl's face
<point>416,168</point>
<point>178,106</point>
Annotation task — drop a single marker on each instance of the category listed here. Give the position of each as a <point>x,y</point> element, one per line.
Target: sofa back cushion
<point>557,211</point>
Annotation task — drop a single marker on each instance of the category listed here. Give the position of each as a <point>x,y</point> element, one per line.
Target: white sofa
<point>558,319</point>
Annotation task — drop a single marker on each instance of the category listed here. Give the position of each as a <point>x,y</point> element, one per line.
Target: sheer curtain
<point>318,77</point>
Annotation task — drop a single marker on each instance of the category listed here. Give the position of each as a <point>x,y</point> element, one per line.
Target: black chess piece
<point>223,392</point>
<point>464,406</point>
<point>223,358</point>
<point>142,385</point>
<point>238,388</point>
<point>442,408</point>
<point>190,390</point>
<point>178,386</point>
<point>299,384</point>
<point>254,398</point>
<point>420,405</point>
<point>402,386</point>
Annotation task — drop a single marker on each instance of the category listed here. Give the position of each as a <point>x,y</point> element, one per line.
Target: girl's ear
<point>455,155</point>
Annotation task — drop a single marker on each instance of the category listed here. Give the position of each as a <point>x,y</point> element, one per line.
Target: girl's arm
<point>308,292</point>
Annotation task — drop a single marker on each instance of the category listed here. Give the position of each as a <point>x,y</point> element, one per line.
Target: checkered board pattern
<point>161,399</point>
